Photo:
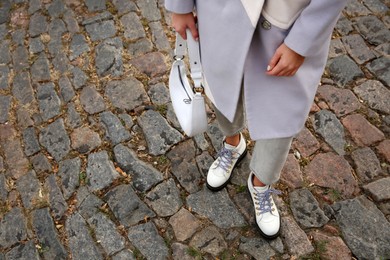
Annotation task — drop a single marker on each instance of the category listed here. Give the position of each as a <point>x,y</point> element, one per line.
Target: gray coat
<point>236,46</point>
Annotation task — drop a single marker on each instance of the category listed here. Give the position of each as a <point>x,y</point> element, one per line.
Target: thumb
<point>274,60</point>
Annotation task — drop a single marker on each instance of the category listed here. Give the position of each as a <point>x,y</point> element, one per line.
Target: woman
<point>263,59</point>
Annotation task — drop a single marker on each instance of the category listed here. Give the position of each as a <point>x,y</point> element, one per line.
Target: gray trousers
<point>269,155</point>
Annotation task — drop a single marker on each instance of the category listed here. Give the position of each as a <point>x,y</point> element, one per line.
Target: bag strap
<point>194,57</point>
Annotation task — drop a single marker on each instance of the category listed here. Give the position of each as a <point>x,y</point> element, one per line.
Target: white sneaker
<point>220,172</point>
<point>266,213</point>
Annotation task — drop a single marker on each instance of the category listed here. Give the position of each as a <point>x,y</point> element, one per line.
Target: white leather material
<point>253,10</point>
<point>189,106</point>
<point>283,13</point>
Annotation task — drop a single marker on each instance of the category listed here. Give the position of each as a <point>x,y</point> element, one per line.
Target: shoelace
<point>263,200</point>
<point>225,158</point>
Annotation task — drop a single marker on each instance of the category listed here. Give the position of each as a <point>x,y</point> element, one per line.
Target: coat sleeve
<point>180,6</point>
<point>314,26</point>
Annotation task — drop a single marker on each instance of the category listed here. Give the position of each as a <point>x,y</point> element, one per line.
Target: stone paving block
<point>5,54</point>
<point>71,22</point>
<point>72,118</point>
<point>91,100</point>
<point>180,252</point>
<point>336,48</point>
<point>4,75</point>
<point>124,6</point>
<point>13,228</point>
<point>78,46</point>
<point>23,117</point>
<point>126,94</point>
<point>164,199</point>
<point>335,248</point>
<point>295,238</point>
<point>159,135</point>
<point>125,254</point>
<point>56,8</point>
<point>38,24</point>
<point>329,127</point>
<point>5,11</point>
<point>332,171</point>
<point>3,186</point>
<point>375,94</point>
<point>100,171</point>
<point>379,190</point>
<point>143,175</point>
<point>40,163</point>
<point>55,139</point>
<point>355,8</point>
<point>305,143</point>
<point>27,251</point>
<point>201,142</point>
<point>127,206</point>
<point>146,239</point>
<point>14,156</point>
<point>133,28</point>
<point>49,102</point>
<point>98,17</point>
<point>47,235</point>
<point>81,243</point>
<point>88,204</point>
<point>115,131</point>
<point>357,48</point>
<point>40,69</point>
<point>3,30</point>
<point>376,6</point>
<point>30,190</point>
<point>383,49</point>
<point>126,120</point>
<point>204,161</point>
<point>79,77</point>
<point>367,164</point>
<point>36,45</point>
<point>34,5</point>
<point>372,29</point>
<point>341,101</point>
<point>108,59</point>
<point>384,149</point>
<point>159,94</point>
<point>367,231</point>
<point>106,233</point>
<point>215,135</point>
<point>69,171</point>
<point>184,218</point>
<point>5,103</point>
<point>184,166</point>
<point>101,30</point>
<point>159,37</point>
<point>96,5</point>
<point>291,173</point>
<point>343,70</point>
<point>84,140</point>
<point>61,63</point>
<point>380,68</point>
<point>56,27</point>
<point>140,47</point>
<point>149,9</point>
<point>55,46</point>
<point>22,89</point>
<point>18,36</point>
<point>362,132</point>
<point>214,207</point>
<point>306,209</point>
<point>209,240</point>
<point>257,247</point>
<point>57,202</point>
<point>20,58</point>
<point>152,64</point>
<point>66,89</point>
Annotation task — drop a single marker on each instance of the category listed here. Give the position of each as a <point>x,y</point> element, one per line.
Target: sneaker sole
<point>261,232</point>
<point>226,183</point>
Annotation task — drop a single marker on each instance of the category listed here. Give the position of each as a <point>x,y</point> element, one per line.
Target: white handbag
<point>188,102</point>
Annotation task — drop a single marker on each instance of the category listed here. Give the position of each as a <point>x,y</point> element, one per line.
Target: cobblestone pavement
<point>93,164</point>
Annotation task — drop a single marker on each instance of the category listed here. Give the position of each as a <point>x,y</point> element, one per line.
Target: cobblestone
<point>94,164</point>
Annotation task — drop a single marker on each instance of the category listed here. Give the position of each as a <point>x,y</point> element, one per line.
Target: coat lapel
<point>253,10</point>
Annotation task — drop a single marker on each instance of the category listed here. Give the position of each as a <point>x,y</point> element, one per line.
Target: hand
<point>181,22</point>
<point>285,62</point>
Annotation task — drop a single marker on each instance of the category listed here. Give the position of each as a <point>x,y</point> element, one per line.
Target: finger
<point>194,31</point>
<point>274,60</point>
